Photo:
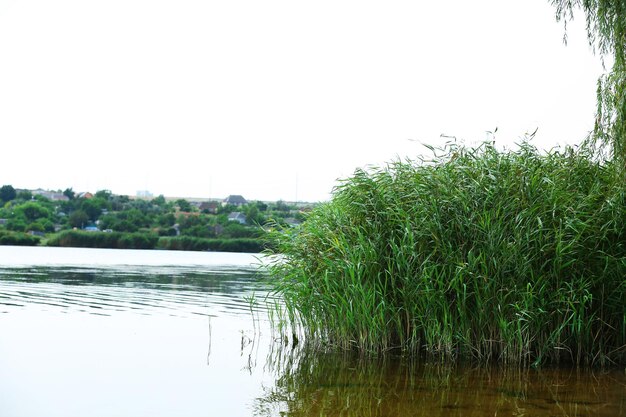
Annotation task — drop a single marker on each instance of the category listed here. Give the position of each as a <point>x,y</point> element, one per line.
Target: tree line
<point>105,219</point>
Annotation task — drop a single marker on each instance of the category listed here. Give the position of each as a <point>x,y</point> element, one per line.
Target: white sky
<point>273,99</point>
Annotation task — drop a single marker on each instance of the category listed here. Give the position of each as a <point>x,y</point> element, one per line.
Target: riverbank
<point>120,240</point>
<point>105,220</point>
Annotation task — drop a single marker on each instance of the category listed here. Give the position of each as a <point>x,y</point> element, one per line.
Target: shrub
<point>514,256</point>
<point>115,240</point>
<point>18,239</point>
<point>219,245</point>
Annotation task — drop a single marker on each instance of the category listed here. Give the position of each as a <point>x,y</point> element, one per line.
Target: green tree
<point>103,194</point>
<point>24,195</point>
<point>282,206</point>
<point>32,211</point>
<point>119,202</point>
<point>236,230</point>
<point>78,218</point>
<point>606,31</point>
<point>42,225</point>
<point>159,201</point>
<point>108,221</point>
<point>7,193</point>
<point>166,220</point>
<point>136,217</point>
<point>125,221</point>
<point>17,224</point>
<point>228,208</point>
<point>69,193</point>
<point>253,216</point>
<point>183,205</point>
<point>124,225</point>
<point>93,207</point>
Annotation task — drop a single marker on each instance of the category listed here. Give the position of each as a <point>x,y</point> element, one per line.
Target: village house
<point>237,216</point>
<point>209,207</point>
<point>50,195</point>
<point>235,200</point>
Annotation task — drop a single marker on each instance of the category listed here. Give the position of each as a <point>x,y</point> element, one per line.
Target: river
<point>99,332</point>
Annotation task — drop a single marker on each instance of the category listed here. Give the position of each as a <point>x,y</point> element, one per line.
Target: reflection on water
<point>331,384</point>
<point>148,290</point>
<point>87,332</point>
<point>128,333</point>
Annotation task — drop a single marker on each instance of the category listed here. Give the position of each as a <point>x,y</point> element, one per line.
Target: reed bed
<point>516,257</point>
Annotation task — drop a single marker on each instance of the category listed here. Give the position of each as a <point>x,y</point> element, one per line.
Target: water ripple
<point>152,290</point>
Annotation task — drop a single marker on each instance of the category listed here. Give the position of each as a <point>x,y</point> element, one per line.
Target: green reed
<point>516,256</point>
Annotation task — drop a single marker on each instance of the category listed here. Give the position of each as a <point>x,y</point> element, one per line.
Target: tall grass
<point>139,240</point>
<point>190,243</point>
<point>513,256</point>
<point>114,240</point>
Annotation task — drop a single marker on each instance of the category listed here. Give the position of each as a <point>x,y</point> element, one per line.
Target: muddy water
<point>87,332</point>
<point>344,385</point>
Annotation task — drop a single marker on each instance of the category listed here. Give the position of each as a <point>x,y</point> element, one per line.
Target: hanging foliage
<point>606,31</point>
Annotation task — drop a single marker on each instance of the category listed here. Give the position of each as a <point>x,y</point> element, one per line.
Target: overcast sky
<point>274,99</point>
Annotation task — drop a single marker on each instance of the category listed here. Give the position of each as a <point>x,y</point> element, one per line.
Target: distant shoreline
<point>138,240</point>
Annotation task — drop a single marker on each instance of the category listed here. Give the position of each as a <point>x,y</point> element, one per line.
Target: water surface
<point>93,332</point>
<point>347,385</point>
<point>98,332</point>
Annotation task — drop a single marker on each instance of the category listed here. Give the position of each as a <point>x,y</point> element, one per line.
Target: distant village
<point>205,205</point>
<point>48,214</point>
